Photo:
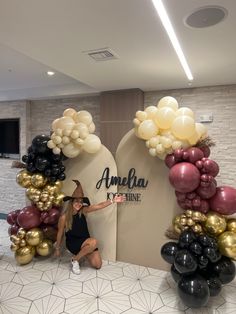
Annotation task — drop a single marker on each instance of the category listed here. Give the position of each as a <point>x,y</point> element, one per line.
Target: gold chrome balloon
<point>38,180</point>
<point>34,236</point>
<point>14,247</point>
<point>58,184</point>
<point>15,239</point>
<point>21,233</point>
<point>23,178</point>
<point>58,199</point>
<point>215,224</point>
<point>197,228</point>
<point>227,244</point>
<point>231,225</point>
<point>44,196</point>
<point>44,248</point>
<point>24,255</point>
<point>189,213</point>
<point>22,243</point>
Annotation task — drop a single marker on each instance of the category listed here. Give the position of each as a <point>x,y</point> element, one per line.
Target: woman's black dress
<point>78,233</point>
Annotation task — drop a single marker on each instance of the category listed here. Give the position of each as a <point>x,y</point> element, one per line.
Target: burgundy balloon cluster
<point>197,267</point>
<point>30,217</point>
<point>192,174</point>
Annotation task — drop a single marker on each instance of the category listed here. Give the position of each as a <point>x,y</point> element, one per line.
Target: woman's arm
<point>92,208</point>
<point>60,232</point>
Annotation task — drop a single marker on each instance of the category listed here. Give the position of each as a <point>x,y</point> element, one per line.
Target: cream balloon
<point>183,127</point>
<point>185,111</point>
<point>83,130</point>
<point>164,117</point>
<point>151,111</point>
<point>69,112</point>
<point>141,115</point>
<point>83,116</point>
<point>71,151</point>
<point>56,150</point>
<point>194,138</point>
<point>160,149</point>
<point>65,140</point>
<point>154,141</point>
<point>67,132</point>
<point>79,141</point>
<point>91,128</point>
<point>92,144</point>
<point>51,144</point>
<point>65,123</point>
<point>152,152</point>
<point>136,122</point>
<point>166,142</point>
<point>57,139</point>
<point>147,129</point>
<point>74,134</point>
<point>148,144</point>
<point>58,132</point>
<point>168,101</point>
<point>201,130</point>
<point>176,144</point>
<point>54,124</point>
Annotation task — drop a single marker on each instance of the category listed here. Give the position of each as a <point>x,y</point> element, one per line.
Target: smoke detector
<point>206,16</point>
<point>103,54</point>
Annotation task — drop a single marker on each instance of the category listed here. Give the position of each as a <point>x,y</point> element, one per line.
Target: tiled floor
<point>47,286</point>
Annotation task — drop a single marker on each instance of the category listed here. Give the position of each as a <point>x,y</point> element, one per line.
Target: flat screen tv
<point>9,137</point>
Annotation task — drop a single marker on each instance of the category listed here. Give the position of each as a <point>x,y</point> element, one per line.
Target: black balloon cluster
<point>197,267</point>
<point>41,159</point>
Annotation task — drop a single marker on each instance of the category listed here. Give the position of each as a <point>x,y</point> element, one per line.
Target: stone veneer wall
<point>35,118</point>
<point>221,101</point>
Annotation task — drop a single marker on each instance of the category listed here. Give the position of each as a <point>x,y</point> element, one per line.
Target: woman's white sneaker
<point>75,267</point>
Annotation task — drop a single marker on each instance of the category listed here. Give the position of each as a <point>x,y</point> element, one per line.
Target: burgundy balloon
<point>206,192</point>
<point>50,233</point>
<point>43,215</point>
<point>178,153</point>
<point>211,167</point>
<point>204,208</point>
<point>180,196</point>
<point>12,216</point>
<point>185,155</point>
<point>182,204</point>
<point>170,160</point>
<point>199,164</point>
<point>224,200</point>
<point>206,150</point>
<point>191,195</point>
<point>184,177</point>
<point>196,203</point>
<point>194,154</point>
<point>13,229</point>
<point>29,217</point>
<point>53,216</point>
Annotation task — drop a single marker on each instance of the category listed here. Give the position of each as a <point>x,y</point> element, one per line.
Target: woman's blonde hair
<point>69,213</point>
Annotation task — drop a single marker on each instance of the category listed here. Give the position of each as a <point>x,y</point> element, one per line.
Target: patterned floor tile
<point>47,305</point>
<point>113,302</point>
<point>6,276</point>
<point>16,305</point>
<point>36,290</point>
<point>171,299</point>
<point>154,284</point>
<point>84,302</point>
<point>168,310</point>
<point>135,271</point>
<point>45,264</point>
<point>157,272</point>
<point>146,301</point>
<point>55,275</point>
<point>3,264</point>
<point>229,293</point>
<point>110,272</point>
<point>97,287</point>
<point>126,285</point>
<point>66,288</point>
<point>9,290</point>
<point>227,308</point>
<point>86,273</point>
<point>27,276</point>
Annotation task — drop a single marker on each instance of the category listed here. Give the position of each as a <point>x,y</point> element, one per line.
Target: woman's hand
<point>57,252</point>
<point>119,198</point>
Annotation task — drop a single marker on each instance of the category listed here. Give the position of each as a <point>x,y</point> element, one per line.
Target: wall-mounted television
<point>9,138</point>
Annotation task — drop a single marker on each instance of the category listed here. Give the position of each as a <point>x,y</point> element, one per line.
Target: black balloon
<point>168,251</point>
<point>224,269</point>
<point>195,248</point>
<point>25,158</point>
<point>185,262</point>
<point>186,238</point>
<point>39,144</point>
<point>202,261</point>
<point>175,274</point>
<point>214,285</point>
<point>61,176</point>
<point>41,163</point>
<point>193,291</point>
<point>204,240</point>
<point>212,254</point>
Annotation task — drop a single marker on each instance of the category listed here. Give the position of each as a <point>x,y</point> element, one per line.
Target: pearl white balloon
<point>67,132</point>
<point>69,112</point>
<point>71,151</point>
<point>61,145</point>
<point>83,130</point>
<point>201,130</point>
<point>65,140</point>
<point>160,149</point>
<point>51,144</point>
<point>152,152</point>
<point>168,101</point>
<point>176,144</point>
<point>79,141</point>
<point>58,132</point>
<point>183,127</point>
<point>147,129</point>
<point>151,111</point>
<point>154,141</point>
<point>165,141</point>
<point>56,150</point>
<point>164,117</point>
<point>194,138</point>
<point>92,128</point>
<point>92,144</point>
<point>54,124</point>
<point>57,139</point>
<point>141,115</point>
<point>185,111</point>
<point>74,134</point>
<point>83,116</point>
<point>136,122</point>
<point>65,123</point>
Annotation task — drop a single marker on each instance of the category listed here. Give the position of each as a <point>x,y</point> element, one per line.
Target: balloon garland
<point>33,229</point>
<point>202,256</point>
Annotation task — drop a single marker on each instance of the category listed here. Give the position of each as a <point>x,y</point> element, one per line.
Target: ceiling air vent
<point>102,54</point>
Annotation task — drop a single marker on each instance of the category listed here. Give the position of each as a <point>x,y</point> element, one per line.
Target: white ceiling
<point>39,35</point>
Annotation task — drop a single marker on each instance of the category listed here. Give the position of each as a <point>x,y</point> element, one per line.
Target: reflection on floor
<point>47,286</point>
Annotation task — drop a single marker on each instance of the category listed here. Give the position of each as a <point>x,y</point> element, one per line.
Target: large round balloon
<point>29,217</point>
<point>185,262</point>
<point>184,177</point>
<point>224,269</point>
<point>168,251</point>
<point>224,200</point>
<point>227,244</point>
<point>39,144</point>
<point>193,291</point>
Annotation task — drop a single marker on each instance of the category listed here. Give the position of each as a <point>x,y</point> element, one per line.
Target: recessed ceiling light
<point>172,36</point>
<point>50,73</point>
<point>206,16</point>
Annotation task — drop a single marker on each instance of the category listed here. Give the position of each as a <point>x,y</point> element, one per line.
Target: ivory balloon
<point>92,144</point>
<point>185,111</point>
<point>165,141</point>
<point>83,116</point>
<point>183,127</point>
<point>83,130</point>
<point>70,150</point>
<point>151,111</point>
<point>152,152</point>
<point>227,244</point>
<point>154,141</point>
<point>136,122</point>
<point>59,132</point>
<point>65,123</point>
<point>65,140</point>
<point>24,255</point>
<point>54,124</point>
<point>57,139</point>
<point>141,115</point>
<point>164,117</point>
<point>194,138</point>
<point>56,150</point>
<point>91,128</point>
<point>51,144</point>
<point>66,132</point>
<point>69,112</point>
<point>44,248</point>
<point>168,101</point>
<point>34,236</point>
<point>147,129</point>
<point>201,130</point>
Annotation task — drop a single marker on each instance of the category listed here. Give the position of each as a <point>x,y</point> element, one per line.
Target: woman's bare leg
<point>87,247</point>
<point>95,260</point>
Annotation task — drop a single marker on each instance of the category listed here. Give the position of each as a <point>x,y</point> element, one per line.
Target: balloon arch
<point>201,257</point>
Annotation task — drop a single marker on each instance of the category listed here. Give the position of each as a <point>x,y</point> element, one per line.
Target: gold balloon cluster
<point>189,219</point>
<point>227,240</point>
<point>43,194</point>
<point>26,243</point>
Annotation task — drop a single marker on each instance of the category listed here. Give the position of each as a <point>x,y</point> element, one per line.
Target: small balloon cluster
<point>26,244</point>
<point>190,219</point>
<point>42,159</point>
<point>198,267</point>
<point>166,127</point>
<point>72,134</point>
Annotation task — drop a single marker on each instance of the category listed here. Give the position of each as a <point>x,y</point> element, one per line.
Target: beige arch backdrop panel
<point>142,225</point>
<point>88,168</point>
